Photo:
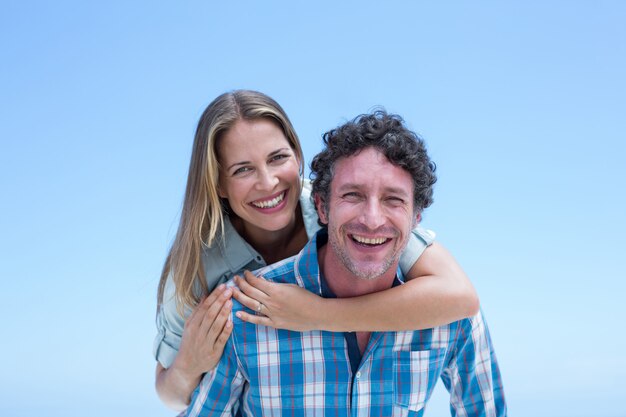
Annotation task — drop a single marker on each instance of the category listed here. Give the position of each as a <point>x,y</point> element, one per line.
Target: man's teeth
<point>368,241</point>
<point>269,203</point>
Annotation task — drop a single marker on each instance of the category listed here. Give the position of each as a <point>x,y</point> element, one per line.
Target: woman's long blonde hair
<point>202,217</point>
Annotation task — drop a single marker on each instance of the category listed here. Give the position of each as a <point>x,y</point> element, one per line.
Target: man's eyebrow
<point>357,186</point>
<point>397,190</point>
<point>348,186</point>
<point>273,153</point>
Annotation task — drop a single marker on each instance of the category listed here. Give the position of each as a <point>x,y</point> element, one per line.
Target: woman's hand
<point>283,306</point>
<point>205,334</point>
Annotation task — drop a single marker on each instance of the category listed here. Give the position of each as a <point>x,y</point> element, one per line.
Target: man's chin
<point>369,272</point>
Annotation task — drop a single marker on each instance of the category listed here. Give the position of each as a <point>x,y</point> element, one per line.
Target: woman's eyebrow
<point>277,151</point>
<point>237,164</point>
<point>273,153</point>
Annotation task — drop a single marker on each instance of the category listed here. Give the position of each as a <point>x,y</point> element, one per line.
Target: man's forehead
<point>371,168</point>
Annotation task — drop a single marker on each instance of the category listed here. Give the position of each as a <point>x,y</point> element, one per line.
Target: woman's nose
<point>267,180</point>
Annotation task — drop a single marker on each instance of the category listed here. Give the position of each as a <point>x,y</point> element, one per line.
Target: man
<point>371,183</point>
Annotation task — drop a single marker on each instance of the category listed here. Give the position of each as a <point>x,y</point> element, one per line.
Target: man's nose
<point>372,216</point>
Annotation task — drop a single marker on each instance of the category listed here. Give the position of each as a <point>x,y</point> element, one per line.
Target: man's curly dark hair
<point>386,133</point>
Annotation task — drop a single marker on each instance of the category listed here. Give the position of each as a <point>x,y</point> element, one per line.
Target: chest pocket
<point>415,374</point>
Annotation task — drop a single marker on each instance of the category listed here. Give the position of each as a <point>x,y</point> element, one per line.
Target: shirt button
<point>358,375</point>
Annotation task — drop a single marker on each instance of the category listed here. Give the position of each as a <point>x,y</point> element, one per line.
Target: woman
<point>245,206</point>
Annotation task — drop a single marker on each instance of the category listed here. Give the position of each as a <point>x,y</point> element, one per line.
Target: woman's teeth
<point>269,203</point>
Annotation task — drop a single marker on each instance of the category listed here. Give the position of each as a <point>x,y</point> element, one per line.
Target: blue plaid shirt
<point>270,372</point>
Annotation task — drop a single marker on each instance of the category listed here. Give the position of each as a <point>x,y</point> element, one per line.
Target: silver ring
<point>259,307</point>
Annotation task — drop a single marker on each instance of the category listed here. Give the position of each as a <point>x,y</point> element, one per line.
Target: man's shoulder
<point>281,271</point>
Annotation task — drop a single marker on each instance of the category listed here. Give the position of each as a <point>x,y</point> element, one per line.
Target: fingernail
<point>238,314</point>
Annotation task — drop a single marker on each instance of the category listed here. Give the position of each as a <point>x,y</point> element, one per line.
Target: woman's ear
<point>221,190</point>
<point>321,209</point>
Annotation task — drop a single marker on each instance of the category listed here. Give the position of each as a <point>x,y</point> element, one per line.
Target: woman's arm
<point>437,293</point>
<point>206,331</point>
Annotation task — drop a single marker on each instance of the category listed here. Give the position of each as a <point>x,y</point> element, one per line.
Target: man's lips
<point>369,241</point>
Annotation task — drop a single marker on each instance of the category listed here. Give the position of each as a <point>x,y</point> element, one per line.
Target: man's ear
<point>417,220</point>
<point>319,205</point>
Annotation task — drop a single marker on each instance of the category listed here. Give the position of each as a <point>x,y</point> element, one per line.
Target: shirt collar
<point>238,253</point>
<point>308,274</point>
<point>235,250</point>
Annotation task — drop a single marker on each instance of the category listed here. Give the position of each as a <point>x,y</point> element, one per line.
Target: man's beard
<point>369,273</point>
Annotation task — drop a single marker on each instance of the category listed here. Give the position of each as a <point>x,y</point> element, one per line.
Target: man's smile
<point>369,241</point>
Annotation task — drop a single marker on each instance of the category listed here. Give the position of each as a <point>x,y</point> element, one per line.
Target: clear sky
<point>522,105</point>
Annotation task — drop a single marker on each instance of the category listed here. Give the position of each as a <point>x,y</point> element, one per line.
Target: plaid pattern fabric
<point>270,372</point>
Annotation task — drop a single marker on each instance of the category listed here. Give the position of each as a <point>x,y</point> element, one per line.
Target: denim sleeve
<point>419,240</point>
<point>170,325</point>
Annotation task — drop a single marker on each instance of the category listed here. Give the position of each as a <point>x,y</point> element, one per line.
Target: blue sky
<point>521,104</point>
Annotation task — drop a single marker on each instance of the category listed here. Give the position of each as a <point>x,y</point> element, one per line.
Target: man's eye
<point>351,196</point>
<point>395,200</point>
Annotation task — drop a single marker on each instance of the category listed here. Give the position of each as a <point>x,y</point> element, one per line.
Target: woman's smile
<point>271,202</point>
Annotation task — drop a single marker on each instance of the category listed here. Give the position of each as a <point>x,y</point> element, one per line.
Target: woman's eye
<point>241,170</point>
<point>279,157</point>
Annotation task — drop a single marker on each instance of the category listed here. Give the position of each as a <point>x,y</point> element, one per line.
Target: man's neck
<point>345,284</point>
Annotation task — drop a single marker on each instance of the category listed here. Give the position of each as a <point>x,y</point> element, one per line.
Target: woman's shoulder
<point>309,212</point>
<point>229,255</point>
